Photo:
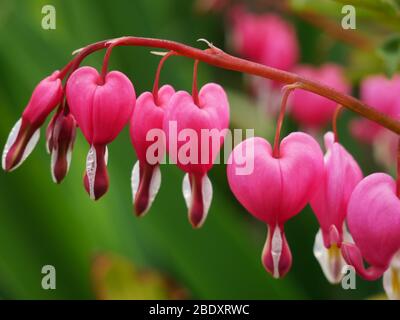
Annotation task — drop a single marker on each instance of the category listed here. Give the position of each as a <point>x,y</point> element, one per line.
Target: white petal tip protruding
<point>276,251</point>
<point>106,156</point>
<point>10,141</point>
<point>155,184</point>
<point>91,166</point>
<point>12,137</point>
<point>391,279</point>
<point>54,156</point>
<point>187,190</point>
<point>330,260</point>
<point>135,177</point>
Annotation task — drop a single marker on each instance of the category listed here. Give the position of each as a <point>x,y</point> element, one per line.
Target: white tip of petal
<point>276,250</point>
<point>330,260</point>
<point>10,141</point>
<point>187,191</point>
<point>155,184</point>
<point>135,177</point>
<point>54,156</point>
<point>391,279</point>
<point>91,166</point>
<point>106,156</point>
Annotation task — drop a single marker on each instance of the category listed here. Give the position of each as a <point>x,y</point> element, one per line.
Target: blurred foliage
<point>116,278</point>
<point>42,223</point>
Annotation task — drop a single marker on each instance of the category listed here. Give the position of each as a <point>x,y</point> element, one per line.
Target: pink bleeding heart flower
<point>60,136</point>
<point>195,134</point>
<point>101,107</point>
<point>312,110</point>
<point>374,222</point>
<point>380,93</point>
<point>265,38</point>
<point>146,175</point>
<point>276,189</point>
<point>25,133</point>
<point>340,177</point>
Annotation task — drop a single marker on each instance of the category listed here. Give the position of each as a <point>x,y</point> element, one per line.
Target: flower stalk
<point>223,60</point>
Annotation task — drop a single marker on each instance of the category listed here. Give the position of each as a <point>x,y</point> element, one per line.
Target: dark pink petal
<point>197,191</point>
<point>353,257</point>
<point>146,180</point>
<point>62,142</point>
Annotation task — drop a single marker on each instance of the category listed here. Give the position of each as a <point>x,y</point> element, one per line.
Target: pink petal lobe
<point>374,219</point>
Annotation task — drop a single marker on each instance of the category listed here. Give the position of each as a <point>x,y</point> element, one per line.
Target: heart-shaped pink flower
<point>148,117</point>
<point>101,107</point>
<point>264,38</point>
<point>195,134</point>
<point>312,110</point>
<point>341,175</point>
<point>374,222</point>
<point>380,93</point>
<point>277,188</point>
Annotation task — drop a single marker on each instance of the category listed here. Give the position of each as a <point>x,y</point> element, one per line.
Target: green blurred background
<point>42,223</point>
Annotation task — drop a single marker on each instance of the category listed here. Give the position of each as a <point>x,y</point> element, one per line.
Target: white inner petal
<point>154,186</point>
<point>106,156</point>
<point>10,141</point>
<point>207,190</point>
<point>91,167</point>
<point>187,191</point>
<point>276,250</point>
<point>391,278</point>
<point>54,156</point>
<point>135,177</point>
<point>69,155</point>
<point>330,260</point>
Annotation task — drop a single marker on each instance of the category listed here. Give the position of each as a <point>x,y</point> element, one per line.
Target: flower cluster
<point>285,176</point>
<point>101,105</point>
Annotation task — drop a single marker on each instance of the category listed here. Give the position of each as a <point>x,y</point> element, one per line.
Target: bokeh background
<point>99,249</point>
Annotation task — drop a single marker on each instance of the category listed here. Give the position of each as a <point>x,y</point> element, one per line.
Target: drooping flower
<point>194,144</point>
<point>25,133</point>
<point>276,189</point>
<point>374,222</point>
<point>146,175</point>
<point>264,38</point>
<point>312,110</point>
<point>101,107</point>
<point>380,93</point>
<point>340,177</point>
<point>60,137</point>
